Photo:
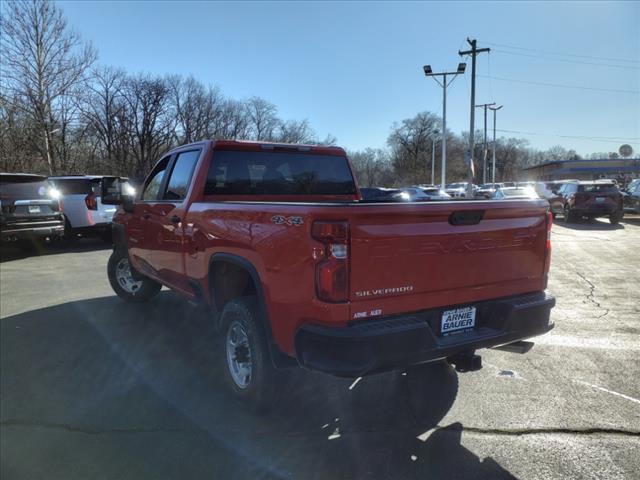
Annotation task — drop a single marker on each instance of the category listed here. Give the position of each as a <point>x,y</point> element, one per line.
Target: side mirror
<point>117,191</point>
<point>111,191</point>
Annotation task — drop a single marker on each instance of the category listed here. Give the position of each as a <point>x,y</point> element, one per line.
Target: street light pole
<point>493,162</point>
<point>444,84</point>
<point>433,158</point>
<point>484,145</point>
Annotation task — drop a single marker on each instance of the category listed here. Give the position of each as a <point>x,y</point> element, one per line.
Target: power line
<point>546,52</point>
<point>581,62</point>
<point>546,84</point>
<point>579,137</point>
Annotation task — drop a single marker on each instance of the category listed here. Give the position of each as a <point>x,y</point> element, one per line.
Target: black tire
<point>262,381</point>
<point>145,288</point>
<point>615,217</point>
<point>107,236</point>
<point>69,238</point>
<point>568,215</point>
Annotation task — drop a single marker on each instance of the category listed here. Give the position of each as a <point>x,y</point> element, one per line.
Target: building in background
<point>621,169</point>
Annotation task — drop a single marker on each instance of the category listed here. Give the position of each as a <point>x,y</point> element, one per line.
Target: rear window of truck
<point>278,173</point>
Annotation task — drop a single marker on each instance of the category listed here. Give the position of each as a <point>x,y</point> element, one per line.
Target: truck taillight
<point>332,272</point>
<point>91,201</point>
<point>547,253</point>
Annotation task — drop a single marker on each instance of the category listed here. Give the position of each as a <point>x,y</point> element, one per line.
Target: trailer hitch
<point>466,361</point>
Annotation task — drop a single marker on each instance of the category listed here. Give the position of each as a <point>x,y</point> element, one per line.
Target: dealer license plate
<point>458,320</point>
<point>34,208</point>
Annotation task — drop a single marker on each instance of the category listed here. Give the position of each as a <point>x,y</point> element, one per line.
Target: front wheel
<point>249,372</point>
<point>127,286</point>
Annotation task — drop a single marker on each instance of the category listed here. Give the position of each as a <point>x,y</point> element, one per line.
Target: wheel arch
<point>241,266</point>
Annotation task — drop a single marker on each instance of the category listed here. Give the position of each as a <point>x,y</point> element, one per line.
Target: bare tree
<point>16,148</point>
<point>410,143</point>
<point>372,167</point>
<point>295,131</point>
<point>150,119</point>
<point>198,109</point>
<point>42,61</point>
<point>262,117</point>
<point>102,109</point>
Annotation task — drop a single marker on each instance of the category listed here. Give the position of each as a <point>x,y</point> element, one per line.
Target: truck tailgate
<point>424,255</point>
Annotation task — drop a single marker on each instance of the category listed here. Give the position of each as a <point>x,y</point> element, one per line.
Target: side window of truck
<point>181,175</point>
<point>154,182</point>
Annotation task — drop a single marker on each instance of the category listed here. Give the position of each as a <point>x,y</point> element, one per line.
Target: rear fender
<point>278,357</point>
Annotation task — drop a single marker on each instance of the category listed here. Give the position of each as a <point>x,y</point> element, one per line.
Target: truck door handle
<point>174,219</point>
<point>146,216</point>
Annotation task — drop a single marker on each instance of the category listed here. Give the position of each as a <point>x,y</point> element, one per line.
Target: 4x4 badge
<point>282,220</point>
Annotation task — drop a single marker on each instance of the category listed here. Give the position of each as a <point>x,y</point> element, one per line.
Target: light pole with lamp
<point>434,137</point>
<point>428,72</point>
<point>493,162</point>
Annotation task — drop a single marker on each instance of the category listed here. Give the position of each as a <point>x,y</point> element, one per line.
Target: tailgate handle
<point>469,217</point>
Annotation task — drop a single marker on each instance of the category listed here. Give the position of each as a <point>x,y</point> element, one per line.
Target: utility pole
<point>428,72</point>
<point>473,52</point>
<point>485,149</point>
<point>493,163</point>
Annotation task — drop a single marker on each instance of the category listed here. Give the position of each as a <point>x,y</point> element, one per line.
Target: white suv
<point>80,201</point>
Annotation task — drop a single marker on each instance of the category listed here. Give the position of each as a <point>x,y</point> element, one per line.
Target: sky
<point>353,69</point>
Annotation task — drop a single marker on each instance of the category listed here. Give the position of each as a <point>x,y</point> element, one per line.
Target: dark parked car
<point>30,210</point>
<point>632,197</point>
<point>379,194</point>
<point>591,199</point>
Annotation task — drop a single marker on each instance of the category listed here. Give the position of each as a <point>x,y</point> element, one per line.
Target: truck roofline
<point>250,145</point>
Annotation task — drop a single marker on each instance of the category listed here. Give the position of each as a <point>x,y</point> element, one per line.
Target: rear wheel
<point>249,371</point>
<point>568,215</point>
<point>615,217</point>
<point>127,286</point>
<point>70,237</point>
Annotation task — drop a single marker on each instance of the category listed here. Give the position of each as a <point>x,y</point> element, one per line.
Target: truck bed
<point>402,257</point>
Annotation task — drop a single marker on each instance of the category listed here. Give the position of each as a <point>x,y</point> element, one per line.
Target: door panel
<point>140,238</point>
<point>165,241</point>
<point>164,226</point>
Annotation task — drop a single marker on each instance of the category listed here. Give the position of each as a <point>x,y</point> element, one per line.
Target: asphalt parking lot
<point>92,387</point>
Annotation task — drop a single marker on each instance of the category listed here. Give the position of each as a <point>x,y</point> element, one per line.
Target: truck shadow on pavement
<point>11,251</point>
<point>595,224</point>
<point>100,388</point>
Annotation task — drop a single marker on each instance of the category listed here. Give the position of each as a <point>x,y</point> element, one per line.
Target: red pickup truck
<point>298,270</point>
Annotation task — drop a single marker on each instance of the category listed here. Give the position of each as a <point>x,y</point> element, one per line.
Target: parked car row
<point>63,208</point>
<point>60,208</point>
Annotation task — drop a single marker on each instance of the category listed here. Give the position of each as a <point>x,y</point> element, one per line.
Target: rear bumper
<point>27,230</point>
<point>596,210</point>
<point>399,341</point>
